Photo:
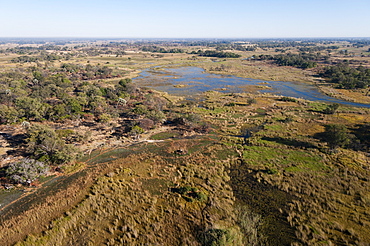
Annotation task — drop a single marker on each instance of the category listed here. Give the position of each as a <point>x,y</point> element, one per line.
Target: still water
<point>192,81</point>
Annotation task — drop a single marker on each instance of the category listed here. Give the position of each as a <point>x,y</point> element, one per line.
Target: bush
<point>26,170</point>
<point>136,131</point>
<point>331,109</point>
<point>288,99</point>
<point>156,116</point>
<point>336,135</point>
<point>251,101</point>
<point>216,237</point>
<point>251,225</point>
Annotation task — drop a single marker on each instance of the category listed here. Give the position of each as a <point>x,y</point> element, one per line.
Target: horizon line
<point>92,37</point>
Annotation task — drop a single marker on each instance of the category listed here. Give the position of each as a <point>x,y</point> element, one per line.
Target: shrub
<point>331,109</point>
<point>136,131</point>
<point>216,237</point>
<point>26,170</point>
<point>104,118</point>
<point>336,135</point>
<point>288,99</point>
<point>251,225</point>
<point>251,101</point>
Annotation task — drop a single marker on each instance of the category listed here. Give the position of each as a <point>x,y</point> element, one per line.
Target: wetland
<point>130,143</point>
<point>191,82</point>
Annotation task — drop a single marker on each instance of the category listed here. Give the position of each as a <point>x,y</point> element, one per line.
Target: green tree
<point>8,114</point>
<point>336,135</point>
<point>31,108</point>
<point>44,144</point>
<point>136,131</point>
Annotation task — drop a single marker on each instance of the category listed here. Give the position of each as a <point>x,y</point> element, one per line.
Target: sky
<point>185,19</point>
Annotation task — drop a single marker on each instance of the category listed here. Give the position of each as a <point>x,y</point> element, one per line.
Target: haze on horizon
<point>185,19</point>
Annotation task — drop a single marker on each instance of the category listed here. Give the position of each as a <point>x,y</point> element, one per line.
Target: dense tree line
<point>318,48</point>
<point>303,60</point>
<point>263,44</point>
<point>347,77</point>
<point>156,49</point>
<point>235,46</point>
<point>214,53</point>
<point>42,57</point>
<point>300,61</point>
<point>33,96</point>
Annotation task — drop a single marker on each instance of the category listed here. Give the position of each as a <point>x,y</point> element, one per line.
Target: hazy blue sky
<point>184,19</point>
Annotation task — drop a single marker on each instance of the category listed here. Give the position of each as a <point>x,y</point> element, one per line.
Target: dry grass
<point>133,203</point>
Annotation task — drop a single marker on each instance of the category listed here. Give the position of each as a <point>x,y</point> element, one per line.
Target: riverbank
<point>357,96</point>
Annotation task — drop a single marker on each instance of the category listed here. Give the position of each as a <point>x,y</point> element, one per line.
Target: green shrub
<point>331,109</point>
<point>288,99</point>
<point>216,237</point>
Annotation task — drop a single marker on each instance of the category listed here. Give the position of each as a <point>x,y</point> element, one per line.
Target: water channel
<point>192,81</point>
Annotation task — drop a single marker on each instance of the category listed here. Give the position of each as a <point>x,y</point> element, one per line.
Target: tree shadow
<point>15,141</point>
<point>362,134</point>
<point>89,123</point>
<point>290,142</point>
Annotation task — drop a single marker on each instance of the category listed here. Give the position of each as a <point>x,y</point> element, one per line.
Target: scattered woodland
<point>89,156</point>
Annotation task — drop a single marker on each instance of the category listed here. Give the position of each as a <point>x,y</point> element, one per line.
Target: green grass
<point>7,196</point>
<point>316,106</point>
<point>275,127</point>
<point>236,116</point>
<point>287,159</point>
<point>164,135</point>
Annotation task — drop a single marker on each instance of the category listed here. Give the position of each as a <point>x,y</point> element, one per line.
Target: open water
<point>192,81</point>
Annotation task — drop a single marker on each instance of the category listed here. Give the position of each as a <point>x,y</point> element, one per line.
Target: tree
<point>8,114</point>
<point>31,108</point>
<point>336,135</point>
<point>44,144</point>
<point>136,131</point>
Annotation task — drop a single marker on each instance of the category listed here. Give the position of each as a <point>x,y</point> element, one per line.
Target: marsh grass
<point>133,199</point>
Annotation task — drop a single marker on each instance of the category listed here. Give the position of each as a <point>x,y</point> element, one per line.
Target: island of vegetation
<point>92,156</point>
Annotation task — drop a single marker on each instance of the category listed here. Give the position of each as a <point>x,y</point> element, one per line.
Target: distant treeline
<point>235,46</point>
<point>318,48</point>
<point>304,60</point>
<point>43,57</point>
<point>157,49</point>
<point>347,77</point>
<point>214,53</point>
<point>283,44</point>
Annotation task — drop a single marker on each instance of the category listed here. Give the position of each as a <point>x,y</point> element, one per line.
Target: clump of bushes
<point>331,109</point>
<point>288,99</point>
<point>190,193</point>
<point>216,237</point>
<point>26,170</point>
